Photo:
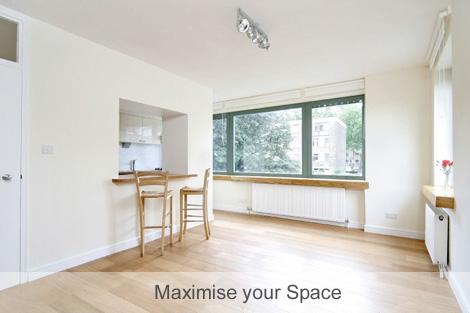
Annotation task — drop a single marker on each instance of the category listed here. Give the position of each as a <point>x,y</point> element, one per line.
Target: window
<point>343,155</point>
<point>314,139</point>
<point>9,40</point>
<point>268,142</point>
<point>443,116</point>
<point>319,127</point>
<point>219,130</point>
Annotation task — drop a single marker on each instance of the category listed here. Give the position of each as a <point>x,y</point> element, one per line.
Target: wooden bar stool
<point>185,207</point>
<point>154,179</point>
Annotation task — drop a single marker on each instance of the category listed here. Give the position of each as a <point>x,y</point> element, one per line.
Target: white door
<point>10,166</point>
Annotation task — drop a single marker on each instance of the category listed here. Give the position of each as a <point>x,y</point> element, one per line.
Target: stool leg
<point>171,220</point>
<point>181,216</point>
<point>207,215</point>
<point>204,213</point>
<point>185,222</point>
<point>142,225</point>
<point>163,224</point>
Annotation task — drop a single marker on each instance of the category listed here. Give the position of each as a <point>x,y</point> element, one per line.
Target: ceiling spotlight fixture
<point>243,25</point>
<point>264,44</point>
<point>246,25</point>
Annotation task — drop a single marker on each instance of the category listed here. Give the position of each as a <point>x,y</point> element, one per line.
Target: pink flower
<point>446,166</point>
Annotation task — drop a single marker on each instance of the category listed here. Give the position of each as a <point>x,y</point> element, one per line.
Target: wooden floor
<point>246,242</point>
<point>376,273</point>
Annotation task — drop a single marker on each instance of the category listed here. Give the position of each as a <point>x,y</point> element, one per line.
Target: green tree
<point>220,144</point>
<point>351,115</point>
<point>262,142</point>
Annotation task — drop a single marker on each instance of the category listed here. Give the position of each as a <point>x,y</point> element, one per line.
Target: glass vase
<point>446,182</point>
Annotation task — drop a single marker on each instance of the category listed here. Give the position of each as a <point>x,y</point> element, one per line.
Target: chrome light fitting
<point>246,25</point>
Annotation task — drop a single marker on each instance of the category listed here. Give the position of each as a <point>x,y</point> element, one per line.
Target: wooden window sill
<point>333,183</point>
<point>439,197</point>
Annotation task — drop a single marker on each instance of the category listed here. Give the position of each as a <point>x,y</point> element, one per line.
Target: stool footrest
<point>198,205</point>
<point>151,227</point>
<point>195,221</point>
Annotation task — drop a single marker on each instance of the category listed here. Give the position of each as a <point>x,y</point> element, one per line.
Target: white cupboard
<point>139,129</point>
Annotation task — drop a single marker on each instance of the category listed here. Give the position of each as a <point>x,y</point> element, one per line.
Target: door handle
<point>6,177</point>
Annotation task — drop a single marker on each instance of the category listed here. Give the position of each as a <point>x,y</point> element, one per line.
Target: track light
<point>246,25</point>
<point>264,44</point>
<point>243,25</point>
<point>250,33</point>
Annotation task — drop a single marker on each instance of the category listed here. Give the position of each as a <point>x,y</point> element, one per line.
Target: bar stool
<point>186,218</point>
<point>154,179</point>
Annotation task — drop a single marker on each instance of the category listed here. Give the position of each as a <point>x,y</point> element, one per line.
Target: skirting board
<point>232,208</point>
<point>95,254</point>
<point>352,224</point>
<point>393,232</point>
<point>462,298</point>
<point>89,256</point>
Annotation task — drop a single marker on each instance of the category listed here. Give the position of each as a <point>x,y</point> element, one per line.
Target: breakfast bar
<point>129,178</point>
<point>126,207</point>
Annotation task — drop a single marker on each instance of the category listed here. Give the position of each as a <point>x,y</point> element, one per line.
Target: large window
<point>268,142</point>
<point>337,140</point>
<point>322,139</point>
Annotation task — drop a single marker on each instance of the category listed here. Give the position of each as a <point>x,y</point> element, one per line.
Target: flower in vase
<point>445,165</point>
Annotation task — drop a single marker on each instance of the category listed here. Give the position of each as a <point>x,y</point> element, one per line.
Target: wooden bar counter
<point>129,178</point>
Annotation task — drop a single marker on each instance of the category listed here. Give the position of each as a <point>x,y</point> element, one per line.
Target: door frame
<point>24,65</point>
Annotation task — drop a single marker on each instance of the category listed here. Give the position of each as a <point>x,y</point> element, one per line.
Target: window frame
<point>306,137</point>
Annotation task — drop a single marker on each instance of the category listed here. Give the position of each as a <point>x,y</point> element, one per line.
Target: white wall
<point>398,150</point>
<point>75,90</point>
<point>460,217</point>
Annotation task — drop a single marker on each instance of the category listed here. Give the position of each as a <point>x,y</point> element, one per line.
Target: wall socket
<point>47,149</point>
<point>391,216</point>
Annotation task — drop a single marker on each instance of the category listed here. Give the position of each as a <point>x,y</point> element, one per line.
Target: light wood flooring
<point>376,273</point>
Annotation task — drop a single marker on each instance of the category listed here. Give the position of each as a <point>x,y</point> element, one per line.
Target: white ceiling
<point>312,41</point>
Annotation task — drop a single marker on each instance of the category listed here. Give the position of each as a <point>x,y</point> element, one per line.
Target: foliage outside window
<point>268,142</point>
<point>219,135</point>
<point>322,139</point>
<point>342,126</point>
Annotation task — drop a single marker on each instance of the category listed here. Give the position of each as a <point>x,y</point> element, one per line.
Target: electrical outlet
<point>47,149</point>
<point>391,216</point>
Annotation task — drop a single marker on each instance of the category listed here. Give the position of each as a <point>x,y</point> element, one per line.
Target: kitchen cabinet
<point>139,129</point>
<point>130,128</point>
<point>151,131</point>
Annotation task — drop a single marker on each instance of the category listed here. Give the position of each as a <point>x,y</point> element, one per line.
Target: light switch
<point>47,149</point>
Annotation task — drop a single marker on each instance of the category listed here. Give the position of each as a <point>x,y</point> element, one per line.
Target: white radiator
<point>437,223</point>
<point>317,203</point>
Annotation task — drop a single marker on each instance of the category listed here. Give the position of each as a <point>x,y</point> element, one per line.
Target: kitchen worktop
<point>129,178</point>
